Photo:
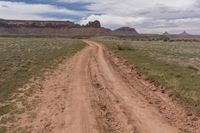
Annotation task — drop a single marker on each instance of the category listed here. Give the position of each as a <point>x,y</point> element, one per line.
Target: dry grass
<point>22,59</point>
<point>175,65</point>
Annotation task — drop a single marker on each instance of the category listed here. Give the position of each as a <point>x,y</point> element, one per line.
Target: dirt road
<point>98,92</point>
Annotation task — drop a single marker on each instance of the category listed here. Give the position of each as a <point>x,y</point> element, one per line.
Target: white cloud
<point>113,21</point>
<point>21,10</point>
<point>135,3</point>
<point>172,26</point>
<point>145,15</point>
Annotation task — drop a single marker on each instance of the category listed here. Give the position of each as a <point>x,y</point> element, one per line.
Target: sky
<point>146,16</point>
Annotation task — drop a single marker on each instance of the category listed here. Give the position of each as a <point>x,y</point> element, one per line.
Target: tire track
<point>146,118</point>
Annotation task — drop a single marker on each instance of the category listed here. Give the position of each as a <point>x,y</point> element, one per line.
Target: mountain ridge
<point>59,28</point>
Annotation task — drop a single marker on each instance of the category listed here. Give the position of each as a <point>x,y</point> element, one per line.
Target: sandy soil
<point>97,91</point>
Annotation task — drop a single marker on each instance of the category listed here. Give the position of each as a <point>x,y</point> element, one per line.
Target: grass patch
<point>124,45</point>
<point>23,58</point>
<point>2,130</point>
<point>171,64</point>
<point>8,118</point>
<point>5,109</point>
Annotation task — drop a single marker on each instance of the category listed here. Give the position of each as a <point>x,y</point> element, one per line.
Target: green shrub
<point>125,45</point>
<point>2,130</point>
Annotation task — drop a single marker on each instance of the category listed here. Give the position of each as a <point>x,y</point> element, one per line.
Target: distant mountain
<point>37,24</point>
<point>125,31</point>
<point>50,28</point>
<point>166,34</point>
<point>95,24</point>
<point>184,34</point>
<point>59,28</point>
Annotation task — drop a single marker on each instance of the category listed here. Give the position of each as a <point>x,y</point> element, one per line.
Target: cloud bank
<point>149,16</point>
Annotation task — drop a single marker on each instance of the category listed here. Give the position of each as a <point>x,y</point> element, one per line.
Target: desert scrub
<point>5,109</point>
<point>175,65</point>
<point>23,58</point>
<point>2,130</point>
<point>124,45</point>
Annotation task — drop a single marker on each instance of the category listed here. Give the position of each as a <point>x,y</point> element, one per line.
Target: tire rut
<point>143,116</point>
<point>157,96</point>
<point>109,115</point>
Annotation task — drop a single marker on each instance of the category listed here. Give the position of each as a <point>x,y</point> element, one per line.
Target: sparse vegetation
<point>5,109</point>
<point>22,59</point>
<point>125,45</point>
<point>2,129</point>
<point>175,65</point>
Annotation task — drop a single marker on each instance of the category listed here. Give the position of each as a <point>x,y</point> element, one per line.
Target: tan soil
<point>97,91</point>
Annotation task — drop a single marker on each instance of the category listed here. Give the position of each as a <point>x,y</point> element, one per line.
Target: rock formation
<point>184,34</point>
<point>50,28</point>
<point>95,24</point>
<point>166,34</point>
<point>37,24</point>
<point>125,31</point>
<point>59,28</point>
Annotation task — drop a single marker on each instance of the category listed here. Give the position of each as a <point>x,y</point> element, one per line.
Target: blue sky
<point>69,5</point>
<point>147,16</point>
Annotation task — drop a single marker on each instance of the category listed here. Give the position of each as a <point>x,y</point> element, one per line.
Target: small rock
<point>189,114</point>
<point>170,94</point>
<point>162,91</point>
<point>194,119</point>
<point>101,88</point>
<point>150,102</point>
<point>64,90</point>
<point>103,107</point>
<point>4,69</point>
<point>97,85</point>
<point>154,89</point>
<point>157,102</point>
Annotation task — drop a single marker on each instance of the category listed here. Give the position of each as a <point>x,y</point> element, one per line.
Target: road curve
<point>96,92</point>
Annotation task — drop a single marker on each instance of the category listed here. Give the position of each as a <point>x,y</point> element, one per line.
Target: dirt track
<point>98,92</point>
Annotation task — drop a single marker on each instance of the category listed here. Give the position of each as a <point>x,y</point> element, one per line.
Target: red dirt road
<point>98,92</point>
